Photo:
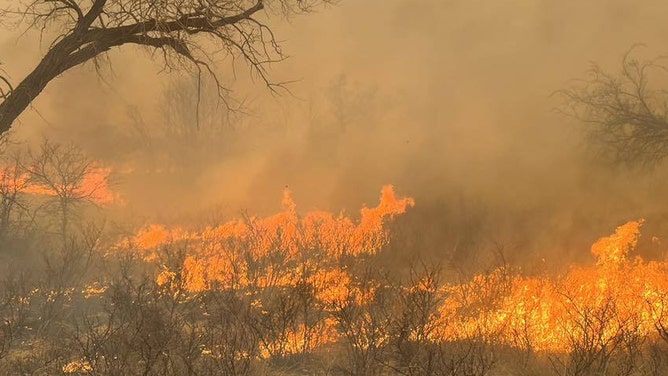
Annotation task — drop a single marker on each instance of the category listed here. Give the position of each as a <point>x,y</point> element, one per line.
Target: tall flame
<point>281,251</point>
<point>616,295</point>
<point>222,255</point>
<point>595,303</point>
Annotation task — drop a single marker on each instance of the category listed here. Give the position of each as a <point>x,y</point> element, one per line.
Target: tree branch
<point>192,23</point>
<point>628,121</point>
<point>94,12</point>
<point>104,25</point>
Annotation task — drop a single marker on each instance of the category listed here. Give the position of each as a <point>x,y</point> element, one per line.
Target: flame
<point>616,295</point>
<point>94,289</point>
<point>283,244</point>
<point>94,185</point>
<point>282,251</point>
<point>78,366</point>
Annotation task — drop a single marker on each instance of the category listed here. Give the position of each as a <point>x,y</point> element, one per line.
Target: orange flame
<point>94,185</point>
<point>614,296</point>
<point>279,251</point>
<point>280,244</point>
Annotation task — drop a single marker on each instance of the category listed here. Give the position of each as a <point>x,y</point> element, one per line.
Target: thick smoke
<point>451,101</point>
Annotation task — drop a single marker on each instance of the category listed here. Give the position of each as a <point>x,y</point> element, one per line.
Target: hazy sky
<point>448,99</point>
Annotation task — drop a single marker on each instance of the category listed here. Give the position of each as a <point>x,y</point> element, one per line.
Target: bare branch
<point>175,28</point>
<point>93,13</point>
<point>627,119</point>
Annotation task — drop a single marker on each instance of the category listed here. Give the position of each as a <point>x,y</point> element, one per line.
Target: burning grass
<point>597,308</point>
<point>291,291</point>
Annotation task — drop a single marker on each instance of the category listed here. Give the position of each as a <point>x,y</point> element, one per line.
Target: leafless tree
<point>182,31</point>
<point>656,358</point>
<point>627,117</point>
<point>61,171</point>
<point>13,309</point>
<point>231,336</point>
<point>416,322</point>
<point>601,340</point>
<point>13,207</point>
<point>364,319</point>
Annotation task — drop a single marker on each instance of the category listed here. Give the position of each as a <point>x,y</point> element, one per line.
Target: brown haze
<point>450,101</point>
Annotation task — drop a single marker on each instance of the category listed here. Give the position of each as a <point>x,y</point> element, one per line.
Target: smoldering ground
<point>451,101</point>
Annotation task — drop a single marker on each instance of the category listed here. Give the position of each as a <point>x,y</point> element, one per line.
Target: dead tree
<point>180,30</point>
<point>60,171</point>
<point>627,118</point>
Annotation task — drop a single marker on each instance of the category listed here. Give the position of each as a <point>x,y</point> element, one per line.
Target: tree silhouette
<point>627,117</point>
<point>184,32</point>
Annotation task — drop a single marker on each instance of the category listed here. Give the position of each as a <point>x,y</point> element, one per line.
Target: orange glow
<point>303,339</point>
<point>78,366</point>
<point>282,251</point>
<point>276,250</point>
<point>94,185</point>
<point>616,295</point>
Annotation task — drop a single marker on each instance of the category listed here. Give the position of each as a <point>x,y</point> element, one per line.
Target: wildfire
<point>92,185</point>
<point>596,304</point>
<point>615,296</point>
<point>282,251</point>
<point>283,244</point>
